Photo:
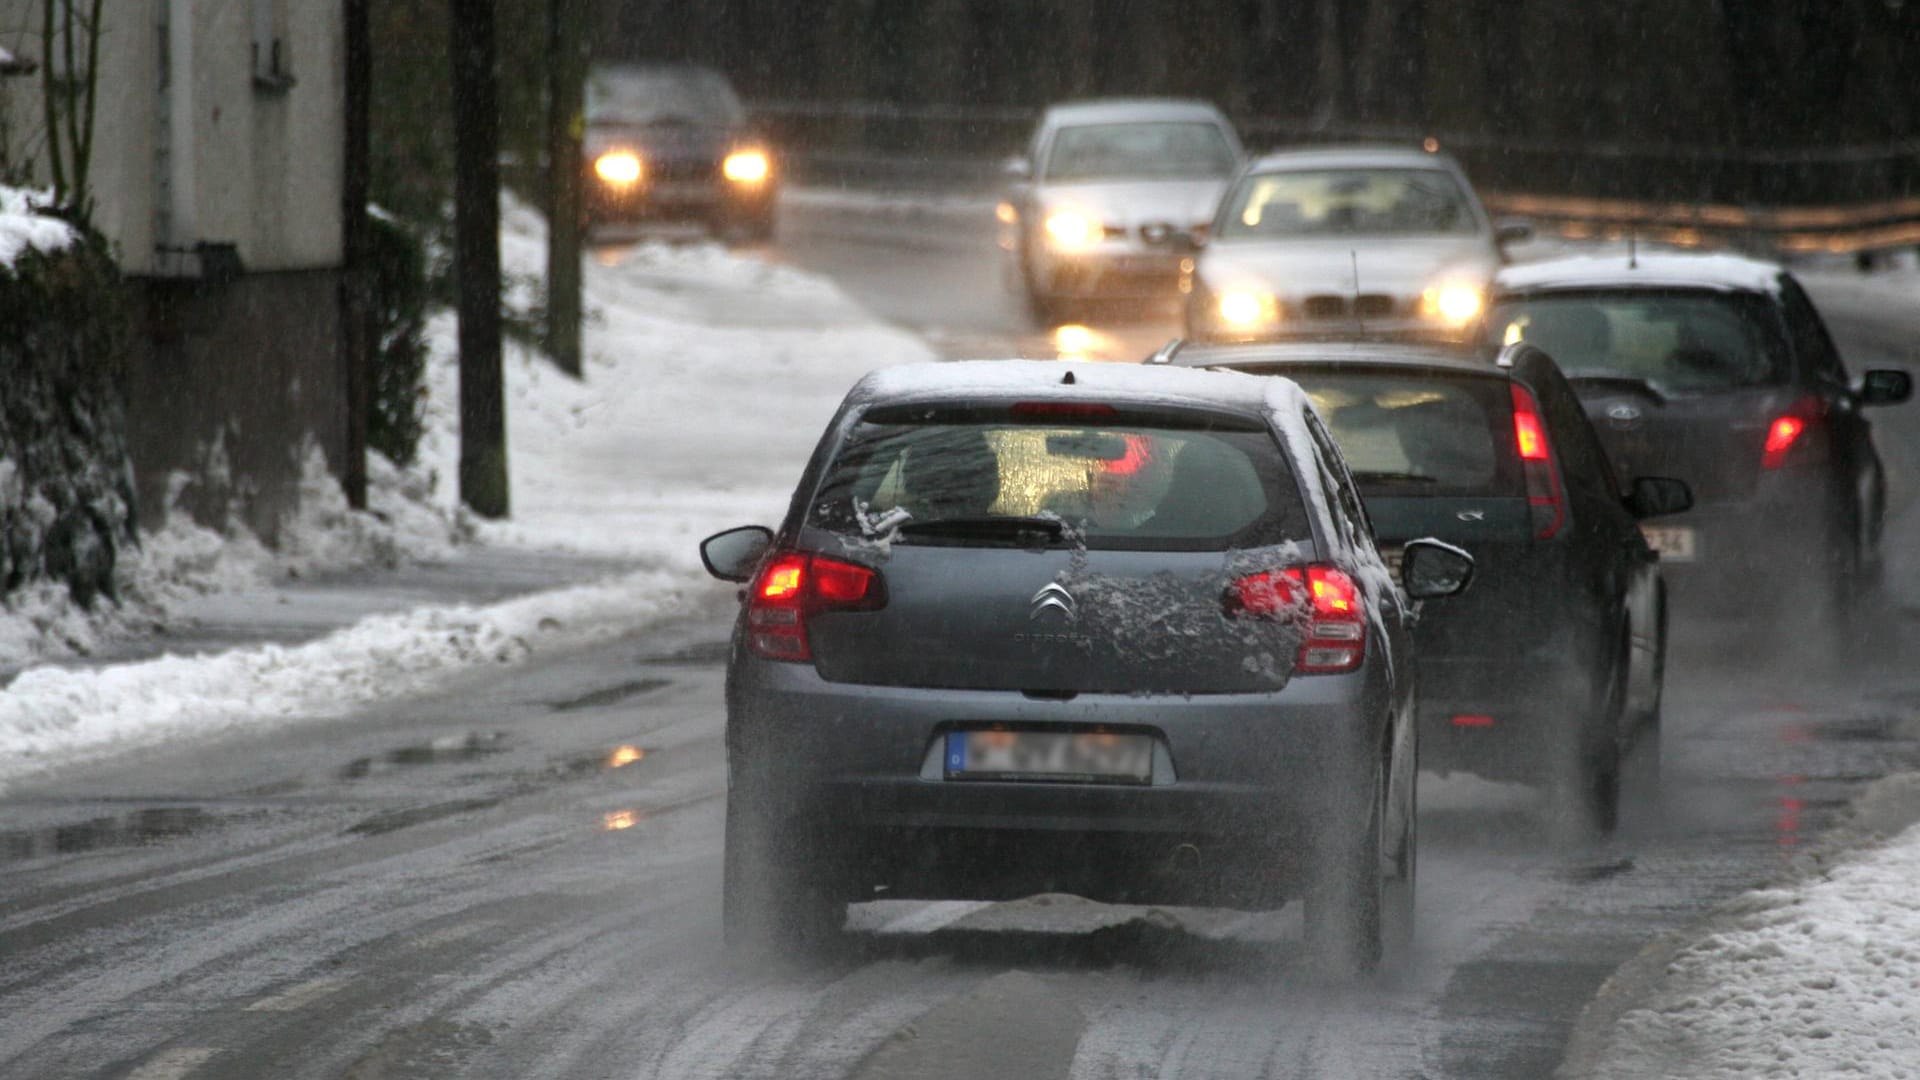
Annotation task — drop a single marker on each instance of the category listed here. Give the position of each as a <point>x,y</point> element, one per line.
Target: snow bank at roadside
<point>51,716</point>
<point>709,376</point>
<point>1817,978</point>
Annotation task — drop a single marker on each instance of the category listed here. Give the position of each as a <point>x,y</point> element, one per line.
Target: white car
<point>1108,195</point>
<point>1339,240</point>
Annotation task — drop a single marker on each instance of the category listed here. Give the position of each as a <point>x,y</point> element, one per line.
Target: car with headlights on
<point>1102,202</point>
<point>1101,630</point>
<point>1554,664</point>
<point>1719,369</point>
<point>671,143</point>
<point>1335,240</point>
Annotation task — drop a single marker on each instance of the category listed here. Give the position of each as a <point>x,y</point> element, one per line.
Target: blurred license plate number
<point>1049,755</point>
<point>1675,543</point>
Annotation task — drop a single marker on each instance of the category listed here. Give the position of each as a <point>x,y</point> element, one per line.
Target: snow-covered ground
<point>709,376</point>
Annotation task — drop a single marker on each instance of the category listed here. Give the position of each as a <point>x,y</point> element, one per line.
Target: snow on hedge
<point>23,226</point>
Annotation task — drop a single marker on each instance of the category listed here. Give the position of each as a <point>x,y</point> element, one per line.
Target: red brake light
<point>1781,435</point>
<point>793,587</point>
<point>1473,720</point>
<point>1324,598</point>
<point>1055,410</point>
<point>1137,455</point>
<point>1536,461</point>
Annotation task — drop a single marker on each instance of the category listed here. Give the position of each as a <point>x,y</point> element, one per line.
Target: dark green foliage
<point>66,484</point>
<point>398,265</point>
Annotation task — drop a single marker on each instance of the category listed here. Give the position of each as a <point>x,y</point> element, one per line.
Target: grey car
<point>1335,240</point>
<point>1100,205</point>
<point>1031,628</point>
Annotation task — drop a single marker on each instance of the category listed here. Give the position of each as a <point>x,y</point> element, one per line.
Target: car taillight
<point>796,586</point>
<point>1790,430</point>
<point>1334,632</point>
<point>1536,461</point>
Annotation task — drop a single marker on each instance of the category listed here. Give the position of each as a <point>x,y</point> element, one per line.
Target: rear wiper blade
<point>1395,477</point>
<point>988,528</point>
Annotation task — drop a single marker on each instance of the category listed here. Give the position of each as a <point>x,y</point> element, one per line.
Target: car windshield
<point>691,96</point>
<point>1409,434</point>
<point>1347,202</point>
<point>1113,486</point>
<point>1677,342</point>
<point>1139,151</point>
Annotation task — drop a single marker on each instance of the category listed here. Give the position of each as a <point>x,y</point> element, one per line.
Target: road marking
<point>173,1064</point>
<point>298,996</point>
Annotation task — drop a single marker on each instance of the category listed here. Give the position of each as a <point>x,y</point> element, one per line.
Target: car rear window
<point>1409,433</point>
<point>1677,342</point>
<point>1115,485</point>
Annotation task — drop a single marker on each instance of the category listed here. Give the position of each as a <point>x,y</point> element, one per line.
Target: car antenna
<point>1633,250</point>
<point>1359,323</point>
<point>1067,379</point>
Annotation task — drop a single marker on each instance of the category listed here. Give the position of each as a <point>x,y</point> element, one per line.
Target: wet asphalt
<point>518,875</point>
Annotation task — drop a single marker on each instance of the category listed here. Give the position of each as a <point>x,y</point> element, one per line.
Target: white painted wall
<point>266,163</point>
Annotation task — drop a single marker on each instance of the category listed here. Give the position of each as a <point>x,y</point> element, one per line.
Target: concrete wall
<point>228,381</point>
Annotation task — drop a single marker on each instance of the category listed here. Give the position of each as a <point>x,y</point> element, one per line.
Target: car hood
<point>1131,203</point>
<point>1398,266</point>
<point>661,141</point>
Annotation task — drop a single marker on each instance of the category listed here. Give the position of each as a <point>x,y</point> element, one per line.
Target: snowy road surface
<point>518,875</point>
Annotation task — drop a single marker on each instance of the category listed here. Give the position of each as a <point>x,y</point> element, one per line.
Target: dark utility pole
<point>356,300</point>
<point>567,48</point>
<point>476,252</point>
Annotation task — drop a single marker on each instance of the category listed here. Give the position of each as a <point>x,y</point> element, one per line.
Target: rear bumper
<point>1502,719</point>
<point>1242,786</point>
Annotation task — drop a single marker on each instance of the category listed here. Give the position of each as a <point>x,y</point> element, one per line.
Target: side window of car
<point>1811,342</point>
<point>1349,512</point>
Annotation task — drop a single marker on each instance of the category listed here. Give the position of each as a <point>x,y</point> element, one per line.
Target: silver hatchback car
<point>1119,632</point>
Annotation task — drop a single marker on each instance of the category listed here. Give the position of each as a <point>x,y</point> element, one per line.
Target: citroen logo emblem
<point>1472,515</point>
<point>1623,415</point>
<point>1054,597</point>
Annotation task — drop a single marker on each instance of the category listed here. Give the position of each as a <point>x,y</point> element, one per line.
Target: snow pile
<point>23,227</point>
<point>52,716</point>
<point>185,560</point>
<point>1818,979</point>
<point>709,377</point>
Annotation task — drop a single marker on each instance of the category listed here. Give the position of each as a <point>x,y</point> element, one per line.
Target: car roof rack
<point>1165,353</point>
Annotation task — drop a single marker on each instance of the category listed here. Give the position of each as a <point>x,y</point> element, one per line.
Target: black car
<point>671,143</point>
<point>1549,668</point>
<point>1104,630</point>
<point>1719,370</point>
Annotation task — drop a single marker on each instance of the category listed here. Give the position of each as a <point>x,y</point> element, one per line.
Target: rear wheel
<point>780,898</point>
<point>1346,901</point>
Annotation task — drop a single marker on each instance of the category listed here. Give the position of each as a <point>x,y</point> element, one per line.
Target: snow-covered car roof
<point>1130,111</point>
<point>995,381</point>
<point>1656,270</point>
<point>1353,156</point>
<point>1477,358</point>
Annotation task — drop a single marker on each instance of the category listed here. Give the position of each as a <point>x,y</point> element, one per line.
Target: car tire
<point>1402,879</point>
<point>780,899</point>
<point>1346,897</point>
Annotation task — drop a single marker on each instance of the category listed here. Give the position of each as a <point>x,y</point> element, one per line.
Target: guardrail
<point>1774,200</point>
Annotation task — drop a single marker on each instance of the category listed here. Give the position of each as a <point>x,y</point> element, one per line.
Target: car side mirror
<point>1017,168</point>
<point>1657,496</point>
<point>1430,569</point>
<point>1513,231</point>
<point>1885,386</point>
<point>735,554</point>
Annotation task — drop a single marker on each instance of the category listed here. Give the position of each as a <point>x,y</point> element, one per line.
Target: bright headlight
<point>618,167</point>
<point>1072,230</point>
<point>1244,309</point>
<point>746,166</point>
<point>1453,304</point>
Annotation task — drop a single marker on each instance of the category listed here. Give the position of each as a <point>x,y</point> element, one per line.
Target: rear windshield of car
<point>1347,202</point>
<point>1139,151</point>
<point>1118,485</point>
<point>1677,342</point>
<point>690,97</point>
<point>1406,433</point>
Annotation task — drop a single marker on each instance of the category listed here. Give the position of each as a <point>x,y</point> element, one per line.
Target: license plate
<point>1086,756</point>
<point>1675,543</point>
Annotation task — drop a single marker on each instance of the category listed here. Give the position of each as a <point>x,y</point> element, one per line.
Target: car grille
<point>683,171</point>
<point>1364,306</point>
